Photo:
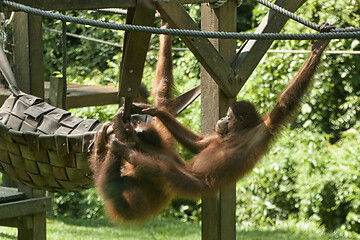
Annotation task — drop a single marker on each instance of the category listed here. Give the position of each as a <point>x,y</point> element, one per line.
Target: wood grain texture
<point>218,210</point>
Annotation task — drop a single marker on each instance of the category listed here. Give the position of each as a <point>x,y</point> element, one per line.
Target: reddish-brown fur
<point>138,176</point>
<point>163,84</point>
<point>131,170</point>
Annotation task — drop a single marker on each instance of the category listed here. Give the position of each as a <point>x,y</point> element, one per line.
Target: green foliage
<point>86,59</point>
<point>103,113</point>
<point>333,104</point>
<point>184,209</point>
<point>88,205</point>
<point>83,205</point>
<point>304,177</point>
<point>245,15</point>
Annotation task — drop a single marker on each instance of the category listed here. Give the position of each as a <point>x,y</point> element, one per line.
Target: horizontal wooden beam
<point>252,51</point>
<point>79,95</point>
<point>25,207</point>
<point>18,222</point>
<point>84,95</point>
<point>89,4</point>
<point>222,73</point>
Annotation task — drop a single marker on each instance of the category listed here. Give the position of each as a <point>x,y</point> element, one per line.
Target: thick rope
<point>302,20</point>
<point>189,33</point>
<point>64,62</point>
<point>289,14</point>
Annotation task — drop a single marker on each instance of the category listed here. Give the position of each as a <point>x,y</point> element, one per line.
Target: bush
<point>85,205</point>
<point>304,177</point>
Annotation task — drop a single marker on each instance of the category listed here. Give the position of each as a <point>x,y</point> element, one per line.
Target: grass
<point>293,229</point>
<point>172,229</point>
<point>76,229</point>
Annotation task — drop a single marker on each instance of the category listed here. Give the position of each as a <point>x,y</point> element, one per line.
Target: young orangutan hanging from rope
<point>138,172</point>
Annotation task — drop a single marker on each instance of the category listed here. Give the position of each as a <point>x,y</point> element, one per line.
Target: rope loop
<point>64,61</point>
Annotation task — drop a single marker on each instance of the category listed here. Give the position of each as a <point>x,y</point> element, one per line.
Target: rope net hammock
<point>45,147</point>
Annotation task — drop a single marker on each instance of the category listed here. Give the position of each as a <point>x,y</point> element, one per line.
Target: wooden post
<point>30,76</point>
<point>218,210</point>
<point>37,231</point>
<point>29,68</point>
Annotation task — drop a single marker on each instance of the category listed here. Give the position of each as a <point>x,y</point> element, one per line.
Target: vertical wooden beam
<point>29,73</point>
<point>38,221</point>
<point>29,69</point>
<point>136,45</point>
<point>218,221</point>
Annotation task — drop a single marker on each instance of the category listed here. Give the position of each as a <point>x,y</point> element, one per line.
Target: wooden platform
<point>80,95</point>
<point>26,214</point>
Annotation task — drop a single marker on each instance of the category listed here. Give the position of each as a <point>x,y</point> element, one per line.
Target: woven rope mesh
<point>45,147</point>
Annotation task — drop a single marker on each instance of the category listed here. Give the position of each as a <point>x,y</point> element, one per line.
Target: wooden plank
<point>10,194</point>
<point>252,51</point>
<point>218,210</point>
<point>215,64</point>
<point>91,96</point>
<point>77,4</point>
<point>25,207</point>
<point>135,49</point>
<point>84,95</point>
